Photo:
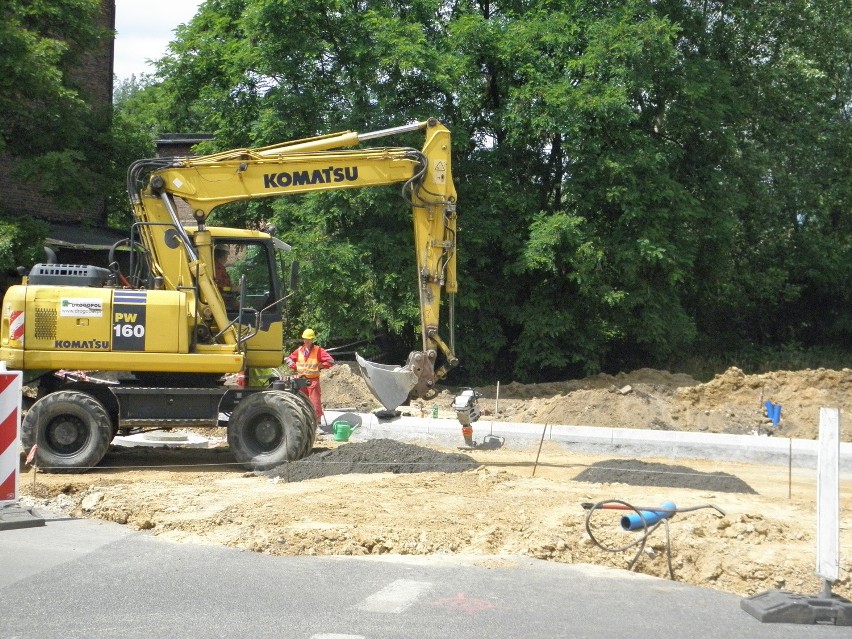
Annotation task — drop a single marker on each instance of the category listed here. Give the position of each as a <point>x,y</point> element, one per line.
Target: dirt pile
<point>640,473</point>
<point>732,402</point>
<point>372,456</point>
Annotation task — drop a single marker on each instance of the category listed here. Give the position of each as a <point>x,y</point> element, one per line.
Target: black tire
<point>72,429</point>
<point>269,428</point>
<point>304,405</point>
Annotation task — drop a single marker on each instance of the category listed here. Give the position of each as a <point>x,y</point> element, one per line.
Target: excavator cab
<point>247,271</point>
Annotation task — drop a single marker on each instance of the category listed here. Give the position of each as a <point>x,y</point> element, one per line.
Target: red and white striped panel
<point>10,426</point>
<point>16,325</point>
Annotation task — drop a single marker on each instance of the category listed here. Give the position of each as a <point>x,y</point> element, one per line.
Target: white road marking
<point>336,636</point>
<point>395,597</point>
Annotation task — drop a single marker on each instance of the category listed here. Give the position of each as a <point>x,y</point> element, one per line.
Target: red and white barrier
<point>10,433</point>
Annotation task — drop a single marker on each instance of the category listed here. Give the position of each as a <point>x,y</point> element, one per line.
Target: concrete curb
<point>778,451</point>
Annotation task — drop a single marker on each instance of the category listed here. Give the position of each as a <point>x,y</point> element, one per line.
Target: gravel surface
<point>373,456</point>
<point>638,473</point>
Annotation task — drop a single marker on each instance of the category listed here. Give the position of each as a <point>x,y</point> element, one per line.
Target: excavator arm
<point>314,164</point>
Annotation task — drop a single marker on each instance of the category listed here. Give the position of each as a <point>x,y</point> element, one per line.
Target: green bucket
<point>342,430</point>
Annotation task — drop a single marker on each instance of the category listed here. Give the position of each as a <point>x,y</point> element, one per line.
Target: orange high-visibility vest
<point>308,366</point>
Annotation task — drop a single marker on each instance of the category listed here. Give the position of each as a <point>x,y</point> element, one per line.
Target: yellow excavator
<point>169,329</point>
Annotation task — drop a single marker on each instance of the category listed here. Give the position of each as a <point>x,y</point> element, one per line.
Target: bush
<point>21,241</point>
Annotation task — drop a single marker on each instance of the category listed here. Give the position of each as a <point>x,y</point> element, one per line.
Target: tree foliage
<point>638,181</point>
<point>135,126</point>
<point>21,240</point>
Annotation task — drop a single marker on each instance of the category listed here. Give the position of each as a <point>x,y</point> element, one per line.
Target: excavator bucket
<point>390,384</point>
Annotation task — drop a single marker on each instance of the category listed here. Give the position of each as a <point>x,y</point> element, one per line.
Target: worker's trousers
<point>314,394</point>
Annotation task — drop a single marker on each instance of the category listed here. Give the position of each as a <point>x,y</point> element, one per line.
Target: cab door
<point>255,296</point>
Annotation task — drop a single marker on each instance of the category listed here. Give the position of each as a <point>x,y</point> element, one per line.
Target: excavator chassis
<point>73,425</point>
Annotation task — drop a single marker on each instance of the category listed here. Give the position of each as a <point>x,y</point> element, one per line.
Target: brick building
<point>76,235</point>
<point>81,235</point>
<point>95,77</point>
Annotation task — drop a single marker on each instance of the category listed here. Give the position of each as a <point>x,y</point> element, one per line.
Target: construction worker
<point>307,361</point>
<point>220,273</point>
<point>223,279</point>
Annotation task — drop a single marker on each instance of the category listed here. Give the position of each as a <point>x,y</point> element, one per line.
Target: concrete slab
<point>159,438</point>
<point>13,516</point>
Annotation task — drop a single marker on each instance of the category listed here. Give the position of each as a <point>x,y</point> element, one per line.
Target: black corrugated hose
<point>646,529</point>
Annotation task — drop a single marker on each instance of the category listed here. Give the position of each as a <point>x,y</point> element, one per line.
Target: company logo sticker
<point>85,344</point>
<point>81,307</point>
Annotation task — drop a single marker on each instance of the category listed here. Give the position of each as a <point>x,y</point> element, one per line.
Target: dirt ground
<point>747,529</point>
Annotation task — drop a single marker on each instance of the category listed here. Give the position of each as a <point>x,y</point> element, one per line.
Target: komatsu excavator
<point>171,335</point>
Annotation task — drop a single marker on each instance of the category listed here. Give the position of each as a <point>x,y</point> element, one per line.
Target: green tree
<point>697,140</point>
<point>135,127</point>
<point>267,86</point>
<point>785,171</point>
<point>638,181</point>
<point>21,241</point>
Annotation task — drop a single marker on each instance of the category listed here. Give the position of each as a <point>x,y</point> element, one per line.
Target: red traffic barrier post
<point>11,514</point>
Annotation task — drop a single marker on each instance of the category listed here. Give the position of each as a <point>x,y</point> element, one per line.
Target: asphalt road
<point>90,579</point>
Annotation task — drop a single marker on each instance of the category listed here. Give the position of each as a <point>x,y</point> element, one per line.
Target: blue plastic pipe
<point>634,520</point>
<point>773,412</point>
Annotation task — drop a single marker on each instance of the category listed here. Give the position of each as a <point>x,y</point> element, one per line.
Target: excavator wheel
<point>307,409</point>
<point>270,428</point>
<point>73,431</point>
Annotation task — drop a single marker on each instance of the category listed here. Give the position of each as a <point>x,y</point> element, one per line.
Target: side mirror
<point>294,275</point>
